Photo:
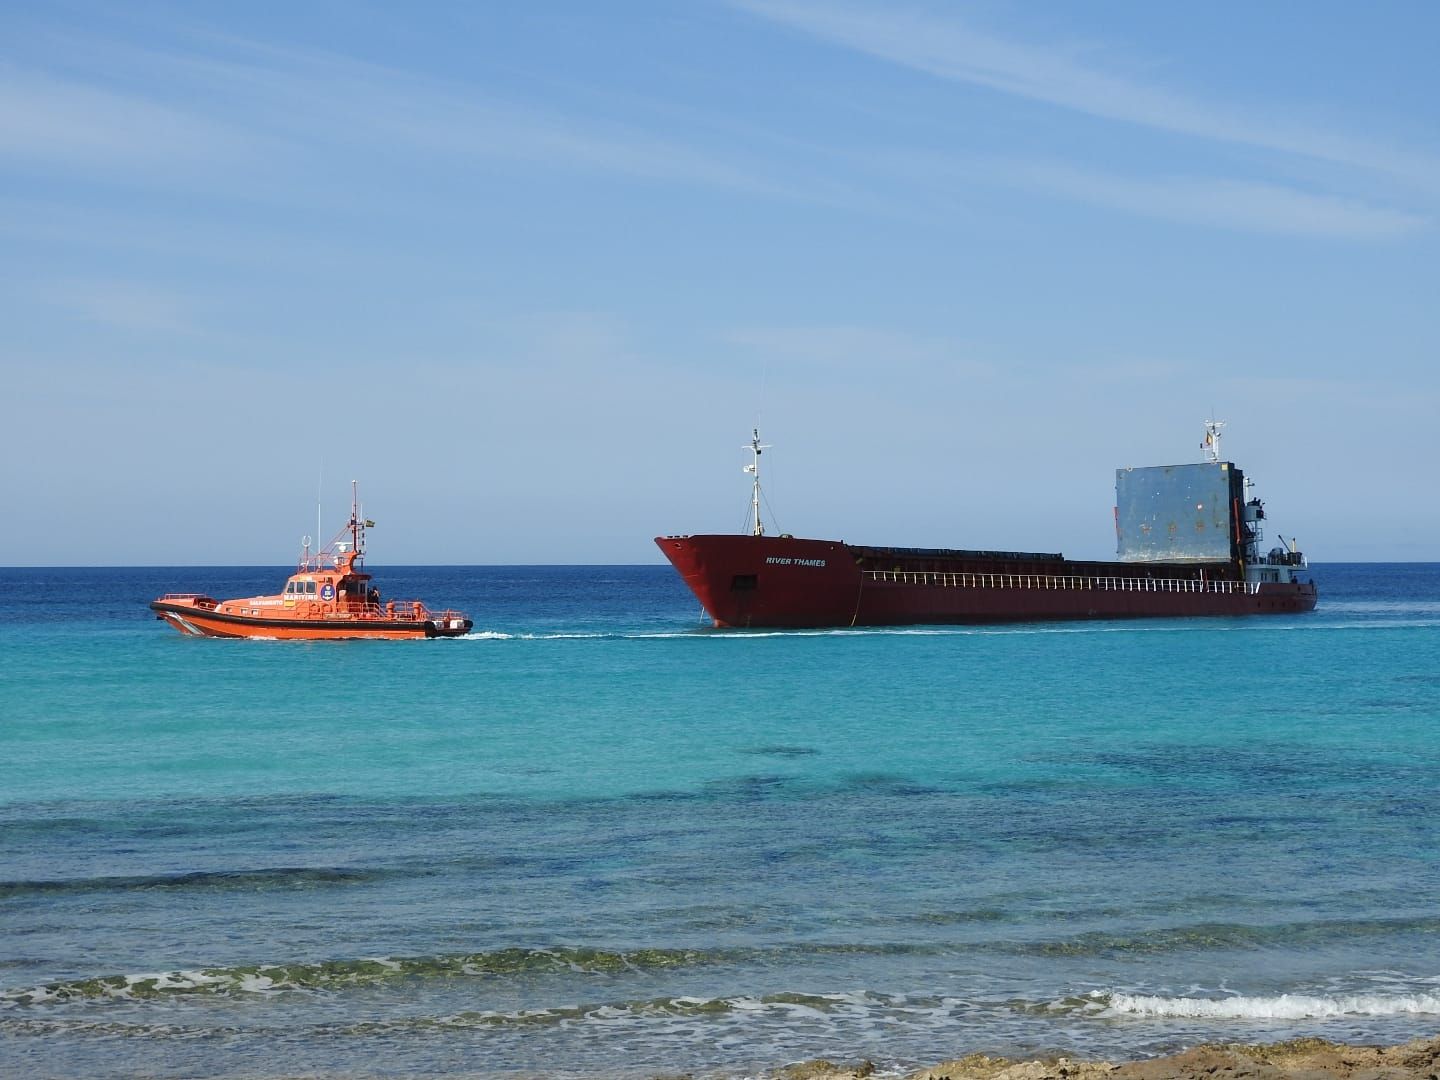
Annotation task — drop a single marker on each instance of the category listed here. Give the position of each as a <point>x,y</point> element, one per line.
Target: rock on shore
<point>1300,1059</point>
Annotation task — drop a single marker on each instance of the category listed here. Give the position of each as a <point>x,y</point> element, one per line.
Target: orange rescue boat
<point>328,597</point>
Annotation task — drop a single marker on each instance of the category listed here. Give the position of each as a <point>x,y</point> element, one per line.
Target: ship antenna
<point>755,448</point>
<point>319,494</point>
<point>357,538</point>
<point>1211,445</point>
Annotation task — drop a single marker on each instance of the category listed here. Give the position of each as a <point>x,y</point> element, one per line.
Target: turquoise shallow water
<point>593,838</point>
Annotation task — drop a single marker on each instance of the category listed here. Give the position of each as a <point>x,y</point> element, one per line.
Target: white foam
<point>1376,624</point>
<point>1388,607</point>
<point>1334,617</point>
<point>500,635</point>
<point>1277,1007</point>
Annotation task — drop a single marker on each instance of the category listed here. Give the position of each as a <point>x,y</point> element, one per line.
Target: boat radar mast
<point>755,448</point>
<point>357,523</point>
<point>1211,445</point>
<point>341,552</point>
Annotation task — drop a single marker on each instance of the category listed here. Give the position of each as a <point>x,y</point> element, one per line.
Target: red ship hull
<point>764,581</point>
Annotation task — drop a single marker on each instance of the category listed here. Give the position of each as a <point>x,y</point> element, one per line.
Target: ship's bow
<point>775,581</point>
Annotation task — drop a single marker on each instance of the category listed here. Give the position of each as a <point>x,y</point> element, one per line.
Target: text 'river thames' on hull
<point>1189,542</point>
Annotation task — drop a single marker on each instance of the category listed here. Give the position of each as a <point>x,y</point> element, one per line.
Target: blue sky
<point>531,272</point>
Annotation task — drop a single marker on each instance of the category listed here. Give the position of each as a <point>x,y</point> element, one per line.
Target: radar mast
<point>1211,445</point>
<point>756,447</point>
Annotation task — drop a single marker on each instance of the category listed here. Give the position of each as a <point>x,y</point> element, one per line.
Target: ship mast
<point>1211,445</point>
<point>755,448</point>
<point>357,524</point>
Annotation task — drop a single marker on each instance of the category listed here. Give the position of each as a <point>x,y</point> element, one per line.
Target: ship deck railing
<point>1058,581</point>
<point>199,599</point>
<point>404,610</point>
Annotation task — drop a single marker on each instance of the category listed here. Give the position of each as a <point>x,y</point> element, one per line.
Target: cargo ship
<point>1189,542</point>
<point>328,597</point>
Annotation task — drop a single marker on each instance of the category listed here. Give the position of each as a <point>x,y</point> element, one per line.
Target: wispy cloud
<point>122,305</point>
<point>949,48</point>
<point>1247,206</point>
<point>48,118</point>
<point>229,117</point>
<point>262,106</point>
<point>861,349</point>
<point>1251,206</point>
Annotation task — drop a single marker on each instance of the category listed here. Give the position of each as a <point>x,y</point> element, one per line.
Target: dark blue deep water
<point>594,838</point>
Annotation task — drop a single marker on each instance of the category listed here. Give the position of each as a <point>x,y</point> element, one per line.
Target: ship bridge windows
<point>300,588</point>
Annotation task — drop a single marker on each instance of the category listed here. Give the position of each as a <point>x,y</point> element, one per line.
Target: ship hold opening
<point>743,583</point>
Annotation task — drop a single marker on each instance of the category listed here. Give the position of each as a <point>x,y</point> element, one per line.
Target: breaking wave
<point>337,974</point>
<point>785,1006</point>
<point>330,975</point>
<point>787,1009</point>
<point>1276,1007</point>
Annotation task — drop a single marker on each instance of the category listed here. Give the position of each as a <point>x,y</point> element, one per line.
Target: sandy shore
<point>1302,1059</point>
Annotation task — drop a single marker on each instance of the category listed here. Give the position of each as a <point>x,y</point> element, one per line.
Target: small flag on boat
<point>369,524</point>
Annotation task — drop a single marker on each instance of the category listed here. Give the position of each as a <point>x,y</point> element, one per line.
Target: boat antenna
<point>357,530</point>
<point>1211,445</point>
<point>756,448</point>
<point>319,494</point>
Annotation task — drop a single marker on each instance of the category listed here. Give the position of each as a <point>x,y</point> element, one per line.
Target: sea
<point>598,838</point>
